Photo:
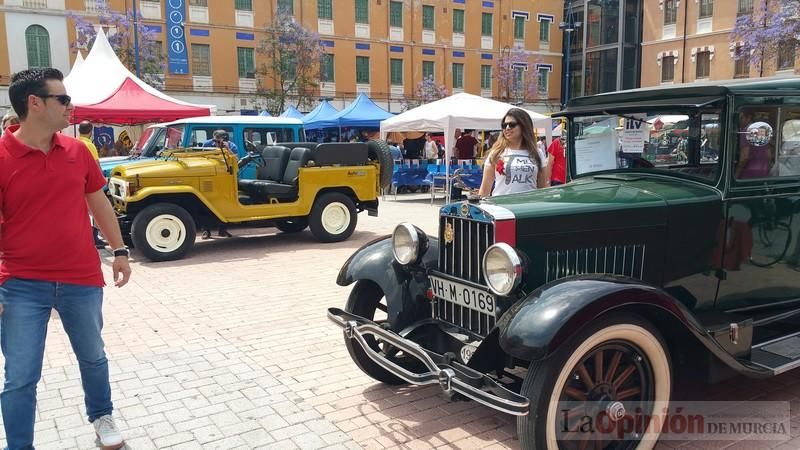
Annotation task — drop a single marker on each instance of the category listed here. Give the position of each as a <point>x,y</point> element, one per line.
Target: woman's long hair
<point>528,137</point>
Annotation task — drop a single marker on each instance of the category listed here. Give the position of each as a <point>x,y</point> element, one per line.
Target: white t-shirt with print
<point>515,172</point>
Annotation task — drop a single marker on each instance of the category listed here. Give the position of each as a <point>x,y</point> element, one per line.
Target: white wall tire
<point>163,232</point>
<point>333,217</point>
<point>546,380</point>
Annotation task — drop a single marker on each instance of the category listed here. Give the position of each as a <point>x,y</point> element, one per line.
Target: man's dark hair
<point>30,82</point>
<point>85,127</point>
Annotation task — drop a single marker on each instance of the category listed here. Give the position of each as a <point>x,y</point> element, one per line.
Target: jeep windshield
<point>684,143</point>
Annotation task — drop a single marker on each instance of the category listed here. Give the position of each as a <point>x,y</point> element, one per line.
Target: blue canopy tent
<point>363,112</point>
<point>265,113</point>
<point>323,111</point>
<point>292,113</point>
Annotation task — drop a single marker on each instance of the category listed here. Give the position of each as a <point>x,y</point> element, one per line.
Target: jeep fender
<point>404,287</point>
<point>537,325</point>
<point>147,193</point>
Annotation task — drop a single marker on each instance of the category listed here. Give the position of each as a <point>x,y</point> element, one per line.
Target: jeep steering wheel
<point>253,157</point>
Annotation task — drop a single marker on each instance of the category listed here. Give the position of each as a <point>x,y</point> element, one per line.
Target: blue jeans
<point>23,328</point>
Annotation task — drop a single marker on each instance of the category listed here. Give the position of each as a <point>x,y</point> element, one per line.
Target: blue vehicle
<point>248,133</point>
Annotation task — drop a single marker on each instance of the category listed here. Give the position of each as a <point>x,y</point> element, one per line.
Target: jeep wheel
<point>600,376</point>
<point>333,217</point>
<point>367,300</point>
<point>163,232</point>
<point>295,225</point>
<point>378,150</point>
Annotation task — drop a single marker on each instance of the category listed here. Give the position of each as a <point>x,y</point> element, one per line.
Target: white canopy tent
<point>101,74</point>
<point>464,111</point>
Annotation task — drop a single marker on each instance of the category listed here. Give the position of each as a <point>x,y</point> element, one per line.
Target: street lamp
<point>135,39</point>
<point>568,26</point>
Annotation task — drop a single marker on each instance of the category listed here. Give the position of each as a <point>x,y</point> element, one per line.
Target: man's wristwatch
<point>122,251</point>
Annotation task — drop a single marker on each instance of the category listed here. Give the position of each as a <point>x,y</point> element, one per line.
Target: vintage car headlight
<point>408,243</point>
<point>502,267</point>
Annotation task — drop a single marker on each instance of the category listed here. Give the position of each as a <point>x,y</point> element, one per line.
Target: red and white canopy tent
<point>103,90</point>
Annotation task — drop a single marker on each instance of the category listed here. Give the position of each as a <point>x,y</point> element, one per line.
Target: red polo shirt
<point>45,233</point>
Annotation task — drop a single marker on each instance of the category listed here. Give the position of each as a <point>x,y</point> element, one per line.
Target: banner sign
<point>103,136</point>
<point>176,40</point>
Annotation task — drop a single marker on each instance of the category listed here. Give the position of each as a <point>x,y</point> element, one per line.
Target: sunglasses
<point>64,99</point>
<point>508,125</point>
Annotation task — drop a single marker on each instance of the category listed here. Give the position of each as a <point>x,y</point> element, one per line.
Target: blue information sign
<point>176,40</point>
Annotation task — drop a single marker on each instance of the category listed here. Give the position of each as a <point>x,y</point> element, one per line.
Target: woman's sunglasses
<point>508,125</point>
<point>64,99</point>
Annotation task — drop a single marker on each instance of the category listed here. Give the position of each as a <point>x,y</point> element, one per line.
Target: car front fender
<point>537,325</point>
<point>404,287</point>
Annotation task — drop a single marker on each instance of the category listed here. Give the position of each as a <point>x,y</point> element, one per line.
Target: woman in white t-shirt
<point>514,163</point>
<point>431,149</point>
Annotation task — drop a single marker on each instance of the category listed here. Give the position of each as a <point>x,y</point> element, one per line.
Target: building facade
<point>602,51</point>
<point>381,47</point>
<point>690,40</point>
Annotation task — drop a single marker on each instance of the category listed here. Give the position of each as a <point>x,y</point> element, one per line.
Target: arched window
<point>37,42</point>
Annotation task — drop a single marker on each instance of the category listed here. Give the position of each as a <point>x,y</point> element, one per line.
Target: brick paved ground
<point>230,348</point>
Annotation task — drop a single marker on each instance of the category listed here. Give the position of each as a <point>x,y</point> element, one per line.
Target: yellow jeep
<point>161,203</point>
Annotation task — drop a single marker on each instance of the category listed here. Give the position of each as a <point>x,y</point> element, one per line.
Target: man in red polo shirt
<point>558,175</point>
<point>47,180</point>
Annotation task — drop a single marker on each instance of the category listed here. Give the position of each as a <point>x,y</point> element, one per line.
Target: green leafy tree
<point>292,68</point>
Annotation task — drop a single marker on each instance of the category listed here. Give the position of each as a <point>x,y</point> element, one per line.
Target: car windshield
<point>141,144</point>
<point>672,142</point>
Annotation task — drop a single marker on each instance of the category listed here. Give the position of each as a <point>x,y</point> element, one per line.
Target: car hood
<point>597,202</point>
<point>108,163</point>
<point>158,168</point>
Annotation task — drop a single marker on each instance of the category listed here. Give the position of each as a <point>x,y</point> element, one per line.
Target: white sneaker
<point>107,432</point>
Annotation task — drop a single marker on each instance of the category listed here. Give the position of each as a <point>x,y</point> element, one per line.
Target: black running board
<point>778,355</point>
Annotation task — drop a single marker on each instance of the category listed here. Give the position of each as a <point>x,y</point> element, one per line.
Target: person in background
<point>514,164</point>
<point>431,149</point>
<point>85,135</point>
<point>558,161</point>
<point>220,139</point>
<point>466,145</point>
<point>397,155</point>
<point>48,261</point>
<point>9,119</point>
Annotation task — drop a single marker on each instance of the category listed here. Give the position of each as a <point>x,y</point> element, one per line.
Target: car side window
<point>788,160</point>
<point>756,135</point>
<point>201,134</point>
<point>255,138</point>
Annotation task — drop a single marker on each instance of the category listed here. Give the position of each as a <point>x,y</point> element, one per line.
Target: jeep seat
<point>287,188</point>
<point>275,158</point>
<point>340,153</point>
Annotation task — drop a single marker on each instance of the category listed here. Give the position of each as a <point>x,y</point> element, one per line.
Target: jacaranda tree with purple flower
<point>769,33</point>
<point>516,82</point>
<point>119,28</point>
<point>293,58</point>
<point>426,91</point>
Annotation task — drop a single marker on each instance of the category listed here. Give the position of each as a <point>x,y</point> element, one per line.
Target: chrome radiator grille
<point>477,322</point>
<point>462,256</point>
<point>625,260</point>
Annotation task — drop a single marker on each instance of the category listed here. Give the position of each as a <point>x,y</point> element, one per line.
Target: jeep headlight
<point>408,243</point>
<point>502,268</point>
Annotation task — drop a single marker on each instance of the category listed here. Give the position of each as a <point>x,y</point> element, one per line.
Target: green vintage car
<point>676,243</point>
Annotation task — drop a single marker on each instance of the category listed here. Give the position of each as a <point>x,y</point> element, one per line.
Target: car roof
<point>232,120</point>
<point>683,95</point>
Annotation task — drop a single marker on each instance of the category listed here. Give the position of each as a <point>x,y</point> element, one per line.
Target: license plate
<point>463,295</point>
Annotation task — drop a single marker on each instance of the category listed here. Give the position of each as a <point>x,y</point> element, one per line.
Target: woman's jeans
<point>23,328</point>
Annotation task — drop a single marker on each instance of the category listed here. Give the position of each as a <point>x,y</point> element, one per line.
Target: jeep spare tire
<point>163,232</point>
<point>378,150</point>
<point>333,217</point>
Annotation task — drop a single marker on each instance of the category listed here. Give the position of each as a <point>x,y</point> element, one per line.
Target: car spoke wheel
<point>609,375</point>
<point>163,232</point>
<point>333,217</point>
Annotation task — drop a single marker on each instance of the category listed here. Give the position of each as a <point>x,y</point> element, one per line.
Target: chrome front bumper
<point>452,376</point>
